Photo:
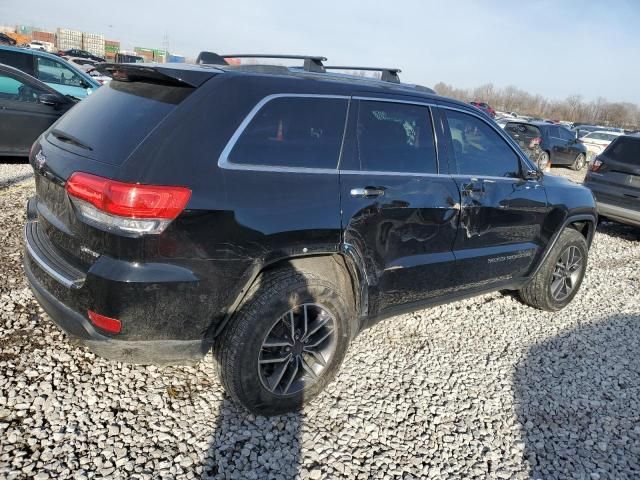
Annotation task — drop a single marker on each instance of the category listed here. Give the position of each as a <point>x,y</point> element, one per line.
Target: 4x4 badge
<point>40,160</point>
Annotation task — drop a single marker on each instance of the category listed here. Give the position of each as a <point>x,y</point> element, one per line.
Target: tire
<point>538,292</point>
<point>241,347</point>
<point>544,161</point>
<point>579,163</point>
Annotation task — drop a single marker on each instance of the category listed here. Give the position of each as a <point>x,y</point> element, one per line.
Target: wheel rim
<point>580,162</point>
<point>297,349</point>
<point>566,273</point>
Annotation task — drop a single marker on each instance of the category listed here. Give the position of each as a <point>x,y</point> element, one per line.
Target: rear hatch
<point>97,137</point>
<point>527,136</point>
<point>615,174</point>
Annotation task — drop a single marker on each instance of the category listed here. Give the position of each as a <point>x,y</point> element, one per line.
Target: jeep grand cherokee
<point>270,214</point>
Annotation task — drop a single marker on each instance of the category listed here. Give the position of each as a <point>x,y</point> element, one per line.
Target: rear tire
<point>554,285</point>
<point>245,351</point>
<point>579,162</point>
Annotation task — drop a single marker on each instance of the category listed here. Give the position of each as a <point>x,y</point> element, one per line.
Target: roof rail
<point>388,74</point>
<point>312,63</point>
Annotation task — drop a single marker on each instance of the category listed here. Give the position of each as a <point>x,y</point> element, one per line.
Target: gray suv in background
<point>614,179</point>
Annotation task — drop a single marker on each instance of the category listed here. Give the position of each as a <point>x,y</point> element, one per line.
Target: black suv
<point>272,213</point>
<point>614,178</point>
<point>547,144</point>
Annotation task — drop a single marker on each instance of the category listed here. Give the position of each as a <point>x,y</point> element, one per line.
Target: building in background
<point>67,39</point>
<point>111,48</point>
<point>93,43</point>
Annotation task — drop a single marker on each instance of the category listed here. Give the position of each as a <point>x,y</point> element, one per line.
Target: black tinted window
<point>394,137</point>
<point>21,61</point>
<point>625,150</point>
<point>293,132</point>
<point>478,149</point>
<point>566,134</point>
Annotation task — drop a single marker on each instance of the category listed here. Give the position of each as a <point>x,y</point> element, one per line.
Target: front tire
<point>560,276</point>
<point>286,342</point>
<point>579,162</point>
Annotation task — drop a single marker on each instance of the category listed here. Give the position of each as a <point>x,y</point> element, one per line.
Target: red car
<point>485,107</point>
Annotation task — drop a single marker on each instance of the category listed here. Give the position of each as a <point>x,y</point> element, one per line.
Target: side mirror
<point>532,175</point>
<point>49,99</point>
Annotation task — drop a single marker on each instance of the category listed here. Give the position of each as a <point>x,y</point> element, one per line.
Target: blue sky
<point>555,48</point>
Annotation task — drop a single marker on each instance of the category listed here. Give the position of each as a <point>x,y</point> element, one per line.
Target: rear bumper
<point>619,214</point>
<point>81,331</point>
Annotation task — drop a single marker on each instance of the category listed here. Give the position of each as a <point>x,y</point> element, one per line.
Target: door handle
<point>367,192</point>
<point>473,187</point>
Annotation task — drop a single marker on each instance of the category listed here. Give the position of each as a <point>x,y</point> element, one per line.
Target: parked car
<point>50,69</point>
<point>555,145</point>
<point>597,141</point>
<point>614,179</point>
<point>27,108</point>
<point>83,64</point>
<point>259,243</point>
<point>36,45</point>
<point>76,52</point>
<point>6,40</point>
<point>485,107</point>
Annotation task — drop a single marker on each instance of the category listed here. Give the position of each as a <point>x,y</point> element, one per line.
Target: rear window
<point>113,120</point>
<point>522,129</point>
<point>21,61</point>
<point>624,150</point>
<point>293,132</point>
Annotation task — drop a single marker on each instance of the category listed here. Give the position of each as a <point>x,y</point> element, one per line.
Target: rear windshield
<point>625,150</point>
<point>522,129</point>
<point>109,124</point>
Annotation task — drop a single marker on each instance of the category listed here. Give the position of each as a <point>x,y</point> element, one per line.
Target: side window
<point>21,61</point>
<point>13,89</point>
<point>478,149</point>
<point>394,137</point>
<point>52,71</point>
<point>565,134</point>
<point>293,132</point>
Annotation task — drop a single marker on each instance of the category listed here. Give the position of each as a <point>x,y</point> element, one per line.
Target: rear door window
<point>21,61</point>
<point>393,137</point>
<point>299,132</point>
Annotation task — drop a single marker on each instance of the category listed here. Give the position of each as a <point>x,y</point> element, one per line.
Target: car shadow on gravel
<point>619,230</point>
<point>251,446</point>
<point>578,402</point>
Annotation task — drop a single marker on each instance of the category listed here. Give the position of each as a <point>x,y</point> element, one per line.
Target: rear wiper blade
<point>66,138</point>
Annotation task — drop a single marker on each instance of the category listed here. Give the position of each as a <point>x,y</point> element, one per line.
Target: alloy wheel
<point>297,349</point>
<point>566,273</point>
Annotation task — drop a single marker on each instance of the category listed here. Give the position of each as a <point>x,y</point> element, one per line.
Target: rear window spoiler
<point>184,76</point>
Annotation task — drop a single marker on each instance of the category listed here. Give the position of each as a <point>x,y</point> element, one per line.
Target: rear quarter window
<point>292,131</point>
<point>19,60</point>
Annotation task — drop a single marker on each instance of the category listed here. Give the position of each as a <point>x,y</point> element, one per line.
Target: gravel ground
<point>485,388</point>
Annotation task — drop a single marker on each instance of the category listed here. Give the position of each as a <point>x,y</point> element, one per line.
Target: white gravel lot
<point>486,388</point>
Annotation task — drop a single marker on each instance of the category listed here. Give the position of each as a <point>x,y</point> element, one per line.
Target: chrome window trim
<point>509,141</point>
<point>224,162</point>
<point>394,100</point>
<point>397,174</point>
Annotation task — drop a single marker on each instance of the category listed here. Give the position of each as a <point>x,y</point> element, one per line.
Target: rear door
<point>399,213</point>
<point>502,213</point>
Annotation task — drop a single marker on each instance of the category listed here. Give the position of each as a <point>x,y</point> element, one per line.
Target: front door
<point>399,214</point>
<point>22,116</point>
<point>501,213</point>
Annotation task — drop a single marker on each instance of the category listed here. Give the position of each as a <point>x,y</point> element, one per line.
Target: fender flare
<point>590,218</point>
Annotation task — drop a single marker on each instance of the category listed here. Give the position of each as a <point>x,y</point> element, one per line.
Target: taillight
<point>127,208</point>
<point>596,164</point>
<point>535,142</point>
<point>111,325</point>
